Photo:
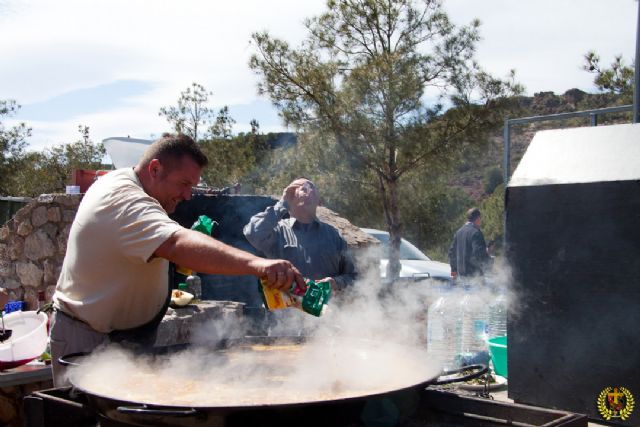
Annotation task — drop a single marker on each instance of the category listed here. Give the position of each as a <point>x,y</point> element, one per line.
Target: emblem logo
<point>615,402</point>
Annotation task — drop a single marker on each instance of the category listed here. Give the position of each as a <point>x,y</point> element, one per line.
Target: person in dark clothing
<point>468,255</point>
<point>291,230</point>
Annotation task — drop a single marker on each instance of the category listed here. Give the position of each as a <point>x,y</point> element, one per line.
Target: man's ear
<point>155,168</point>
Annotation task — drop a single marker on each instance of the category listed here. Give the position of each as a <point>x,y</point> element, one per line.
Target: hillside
<point>472,177</point>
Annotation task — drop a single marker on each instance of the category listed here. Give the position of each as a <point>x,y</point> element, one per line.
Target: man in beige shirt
<point>114,277</point>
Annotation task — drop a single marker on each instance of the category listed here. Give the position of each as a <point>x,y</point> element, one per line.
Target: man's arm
<point>261,230</point>
<point>453,256</point>
<point>208,255</point>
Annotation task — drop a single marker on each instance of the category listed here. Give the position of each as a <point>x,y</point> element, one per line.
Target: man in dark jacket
<point>468,252</point>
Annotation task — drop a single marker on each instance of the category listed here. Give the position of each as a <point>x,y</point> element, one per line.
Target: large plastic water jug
<point>457,328</point>
<point>444,320</point>
<point>498,315</point>
<point>475,319</point>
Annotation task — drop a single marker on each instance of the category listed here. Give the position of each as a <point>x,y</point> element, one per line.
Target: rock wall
<point>33,244</point>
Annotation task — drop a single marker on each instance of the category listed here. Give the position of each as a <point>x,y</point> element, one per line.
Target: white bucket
<point>28,338</point>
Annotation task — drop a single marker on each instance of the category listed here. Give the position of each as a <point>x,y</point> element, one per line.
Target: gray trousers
<point>67,336</point>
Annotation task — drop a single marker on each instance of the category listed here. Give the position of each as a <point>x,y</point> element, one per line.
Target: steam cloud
<point>370,340</point>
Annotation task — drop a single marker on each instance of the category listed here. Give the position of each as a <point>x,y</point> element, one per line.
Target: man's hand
<point>280,274</point>
<point>454,275</point>
<point>289,193</point>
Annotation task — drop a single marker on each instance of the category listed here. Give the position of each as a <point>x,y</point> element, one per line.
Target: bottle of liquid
<point>312,301</point>
<point>194,286</point>
<point>205,225</point>
<point>498,316</point>
<point>444,322</point>
<point>474,328</point>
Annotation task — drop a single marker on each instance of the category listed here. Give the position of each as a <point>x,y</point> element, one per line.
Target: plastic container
<point>12,306</point>
<point>28,339</point>
<point>475,320</point>
<point>498,316</point>
<point>194,286</point>
<point>444,322</point>
<point>457,329</point>
<point>498,350</point>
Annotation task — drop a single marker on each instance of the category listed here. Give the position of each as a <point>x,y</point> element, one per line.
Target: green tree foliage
<point>492,209</point>
<point>194,116</point>
<point>238,159</point>
<point>229,160</point>
<point>192,112</point>
<point>361,77</point>
<point>12,148</point>
<point>49,171</point>
<point>223,125</point>
<point>617,79</point>
<point>492,178</point>
<point>431,214</point>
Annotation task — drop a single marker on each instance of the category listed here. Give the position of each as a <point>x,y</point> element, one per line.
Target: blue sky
<point>111,65</point>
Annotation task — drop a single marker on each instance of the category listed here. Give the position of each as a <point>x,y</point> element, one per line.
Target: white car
<point>415,264</point>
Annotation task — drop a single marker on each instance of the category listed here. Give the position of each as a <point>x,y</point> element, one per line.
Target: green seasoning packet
<point>316,297</point>
<point>204,224</point>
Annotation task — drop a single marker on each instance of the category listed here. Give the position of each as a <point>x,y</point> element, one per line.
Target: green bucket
<point>498,349</point>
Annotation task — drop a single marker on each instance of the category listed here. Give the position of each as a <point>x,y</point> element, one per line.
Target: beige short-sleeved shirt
<point>109,278</point>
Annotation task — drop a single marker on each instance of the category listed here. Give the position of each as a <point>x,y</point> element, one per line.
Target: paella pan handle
<point>67,359</point>
<point>145,410</point>
<point>477,370</point>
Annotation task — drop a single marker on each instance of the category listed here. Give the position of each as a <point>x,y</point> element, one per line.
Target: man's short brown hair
<point>171,148</point>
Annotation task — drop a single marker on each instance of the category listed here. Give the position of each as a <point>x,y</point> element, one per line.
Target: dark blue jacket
<point>468,252</point>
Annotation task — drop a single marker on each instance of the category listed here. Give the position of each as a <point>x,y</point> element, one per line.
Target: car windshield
<point>407,250</point>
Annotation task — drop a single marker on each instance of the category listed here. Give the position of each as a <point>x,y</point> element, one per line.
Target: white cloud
<point>545,40</point>
<point>53,48</point>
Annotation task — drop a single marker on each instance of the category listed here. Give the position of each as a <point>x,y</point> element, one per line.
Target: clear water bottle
<point>444,321</point>
<point>475,319</point>
<point>194,286</point>
<point>498,316</point>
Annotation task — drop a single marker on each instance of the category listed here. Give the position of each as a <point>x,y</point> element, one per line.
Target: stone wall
<point>33,244</point>
<point>11,401</point>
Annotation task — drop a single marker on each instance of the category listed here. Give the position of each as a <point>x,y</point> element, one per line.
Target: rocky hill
<point>476,177</point>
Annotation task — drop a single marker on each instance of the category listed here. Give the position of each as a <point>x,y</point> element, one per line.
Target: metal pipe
<point>506,168</point>
<point>506,137</point>
<point>561,116</point>
<point>636,77</point>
